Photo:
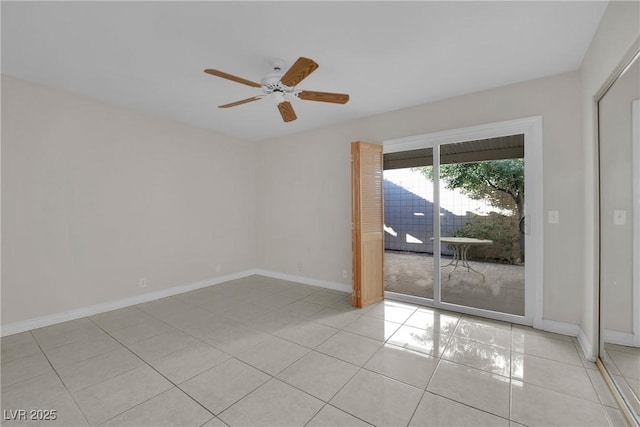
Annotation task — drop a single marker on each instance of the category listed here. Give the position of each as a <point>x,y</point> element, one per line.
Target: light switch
<point>619,217</point>
<point>554,217</point>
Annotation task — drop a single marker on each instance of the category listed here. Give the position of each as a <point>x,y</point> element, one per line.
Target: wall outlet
<point>299,267</point>
<point>142,283</point>
<point>344,274</point>
<point>218,268</point>
<point>554,217</point>
<point>619,217</point>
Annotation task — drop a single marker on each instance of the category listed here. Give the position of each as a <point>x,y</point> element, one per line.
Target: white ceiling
<point>387,55</point>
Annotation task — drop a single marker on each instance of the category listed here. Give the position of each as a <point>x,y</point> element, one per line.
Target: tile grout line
<point>274,377</point>
<point>413,414</point>
<point>241,361</point>
<point>383,345</point>
<point>74,341</point>
<point>360,368</point>
<point>234,356</point>
<point>316,414</point>
<point>250,326</point>
<point>440,359</point>
<point>243,396</point>
<point>598,394</point>
<point>155,370</point>
<point>599,402</point>
<point>214,418</point>
<point>425,391</point>
<point>602,404</point>
<point>60,379</point>
<point>435,369</point>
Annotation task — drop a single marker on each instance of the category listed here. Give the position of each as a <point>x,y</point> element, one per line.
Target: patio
<point>502,290</point>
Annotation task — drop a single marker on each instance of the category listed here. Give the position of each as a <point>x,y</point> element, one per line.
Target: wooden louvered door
<point>367,224</point>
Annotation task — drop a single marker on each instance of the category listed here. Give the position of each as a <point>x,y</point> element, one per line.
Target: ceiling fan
<point>282,87</point>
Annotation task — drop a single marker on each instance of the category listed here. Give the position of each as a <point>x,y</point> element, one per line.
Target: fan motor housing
<point>271,83</point>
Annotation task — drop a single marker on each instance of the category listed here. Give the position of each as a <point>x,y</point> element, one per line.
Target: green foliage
<point>501,229</point>
<point>490,180</point>
<point>499,182</point>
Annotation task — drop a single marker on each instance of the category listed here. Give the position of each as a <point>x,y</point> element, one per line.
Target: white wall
<point>95,196</point>
<point>619,27</point>
<point>304,183</point>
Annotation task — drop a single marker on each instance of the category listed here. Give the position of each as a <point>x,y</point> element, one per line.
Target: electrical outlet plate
<point>554,217</point>
<point>619,217</point>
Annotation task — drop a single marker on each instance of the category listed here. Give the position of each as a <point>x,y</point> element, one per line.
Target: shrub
<point>501,229</point>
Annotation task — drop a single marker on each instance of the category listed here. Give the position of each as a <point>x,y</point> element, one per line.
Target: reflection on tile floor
<point>261,351</point>
<point>502,289</point>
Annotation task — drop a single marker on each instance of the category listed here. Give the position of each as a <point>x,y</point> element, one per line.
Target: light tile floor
<point>260,351</point>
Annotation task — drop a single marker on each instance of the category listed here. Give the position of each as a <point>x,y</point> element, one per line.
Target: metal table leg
<point>460,257</point>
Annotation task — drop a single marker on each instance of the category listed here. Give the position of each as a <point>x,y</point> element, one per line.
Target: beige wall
<point>304,183</point>
<point>618,29</point>
<point>95,197</point>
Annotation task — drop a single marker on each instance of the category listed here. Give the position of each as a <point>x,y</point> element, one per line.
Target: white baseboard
<point>573,330</point>
<point>620,338</point>
<point>305,280</point>
<point>52,319</point>
<point>587,346</point>
<point>563,328</point>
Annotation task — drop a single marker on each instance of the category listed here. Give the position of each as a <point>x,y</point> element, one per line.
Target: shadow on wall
<point>408,220</point>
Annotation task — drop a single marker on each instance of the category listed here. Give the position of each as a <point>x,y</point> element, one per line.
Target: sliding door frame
<point>531,128</point>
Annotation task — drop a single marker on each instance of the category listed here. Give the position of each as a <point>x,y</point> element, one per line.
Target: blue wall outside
<point>400,208</point>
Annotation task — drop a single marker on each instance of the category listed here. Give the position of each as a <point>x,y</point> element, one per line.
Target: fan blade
<point>243,101</point>
<point>232,78</point>
<point>337,98</point>
<point>286,111</point>
<point>298,71</point>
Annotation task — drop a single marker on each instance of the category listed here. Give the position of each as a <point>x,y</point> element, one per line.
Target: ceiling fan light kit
<point>282,87</point>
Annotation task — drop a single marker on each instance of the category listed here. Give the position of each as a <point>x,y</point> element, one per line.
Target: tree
<point>489,180</point>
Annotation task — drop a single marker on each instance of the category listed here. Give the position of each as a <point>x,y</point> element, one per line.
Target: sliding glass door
<point>456,227</point>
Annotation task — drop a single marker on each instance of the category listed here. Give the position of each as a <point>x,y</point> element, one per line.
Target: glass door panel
<point>481,198</point>
<point>408,226</point>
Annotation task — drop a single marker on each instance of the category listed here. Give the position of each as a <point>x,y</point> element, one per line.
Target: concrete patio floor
<point>502,290</point>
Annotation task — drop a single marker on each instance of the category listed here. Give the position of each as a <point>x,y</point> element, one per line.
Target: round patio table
<point>460,247</point>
